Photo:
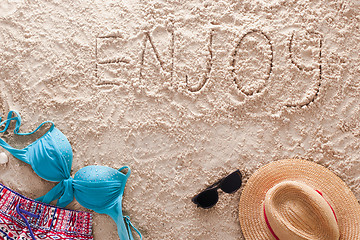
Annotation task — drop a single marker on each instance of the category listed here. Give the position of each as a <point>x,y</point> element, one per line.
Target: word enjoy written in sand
<point>119,58</point>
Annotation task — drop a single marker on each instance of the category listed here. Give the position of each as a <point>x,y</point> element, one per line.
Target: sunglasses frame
<point>215,187</point>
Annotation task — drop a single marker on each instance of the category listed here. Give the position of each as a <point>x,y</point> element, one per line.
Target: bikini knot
<point>68,195</point>
<point>63,191</point>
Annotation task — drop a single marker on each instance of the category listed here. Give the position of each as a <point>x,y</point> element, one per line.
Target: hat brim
<point>335,191</point>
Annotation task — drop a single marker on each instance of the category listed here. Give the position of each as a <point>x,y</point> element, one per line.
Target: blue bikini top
<point>98,188</point>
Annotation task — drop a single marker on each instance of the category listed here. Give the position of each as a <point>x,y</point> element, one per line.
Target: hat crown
<point>296,211</point>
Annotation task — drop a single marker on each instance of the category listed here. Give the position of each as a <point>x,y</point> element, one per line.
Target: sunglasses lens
<point>207,198</point>
<point>232,182</point>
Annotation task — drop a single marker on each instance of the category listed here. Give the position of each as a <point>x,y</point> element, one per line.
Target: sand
<point>183,93</point>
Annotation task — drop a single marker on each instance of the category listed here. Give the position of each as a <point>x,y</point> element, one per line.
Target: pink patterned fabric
<point>53,222</point>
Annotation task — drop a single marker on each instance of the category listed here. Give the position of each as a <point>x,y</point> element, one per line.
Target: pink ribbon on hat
<point>328,203</point>
<point>272,231</point>
<point>268,225</point>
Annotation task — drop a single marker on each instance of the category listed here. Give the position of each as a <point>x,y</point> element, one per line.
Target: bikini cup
<point>49,156</point>
<point>98,188</point>
<point>106,186</point>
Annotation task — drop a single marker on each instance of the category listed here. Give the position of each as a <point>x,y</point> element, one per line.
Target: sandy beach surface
<point>184,93</point>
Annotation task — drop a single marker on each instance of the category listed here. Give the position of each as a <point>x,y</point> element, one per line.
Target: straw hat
<point>297,200</point>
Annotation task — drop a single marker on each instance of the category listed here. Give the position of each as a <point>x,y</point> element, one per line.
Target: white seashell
<point>3,158</point>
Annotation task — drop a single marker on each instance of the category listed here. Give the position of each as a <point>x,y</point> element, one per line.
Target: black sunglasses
<point>209,197</point>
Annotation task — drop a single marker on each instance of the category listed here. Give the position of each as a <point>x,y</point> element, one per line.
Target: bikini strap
<point>17,118</point>
<point>22,134</point>
<point>123,223</point>
<point>127,175</point>
<point>18,153</point>
<point>129,226</point>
